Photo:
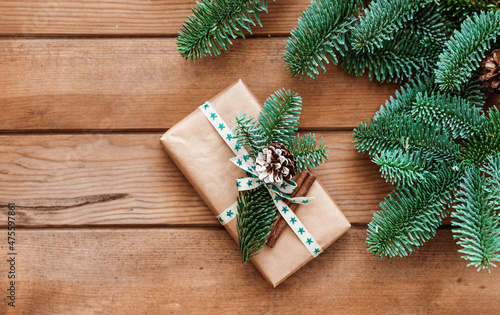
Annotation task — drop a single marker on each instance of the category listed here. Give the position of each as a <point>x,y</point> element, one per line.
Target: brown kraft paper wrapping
<point>203,157</point>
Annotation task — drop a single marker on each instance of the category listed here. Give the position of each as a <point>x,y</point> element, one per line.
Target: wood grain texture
<point>131,84</point>
<point>198,270</point>
<point>95,179</point>
<point>127,17</point>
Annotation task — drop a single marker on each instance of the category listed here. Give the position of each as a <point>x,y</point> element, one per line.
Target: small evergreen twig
<point>279,117</point>
<point>306,152</point>
<point>214,22</point>
<point>466,48</point>
<point>477,215</point>
<point>307,50</point>
<point>256,213</point>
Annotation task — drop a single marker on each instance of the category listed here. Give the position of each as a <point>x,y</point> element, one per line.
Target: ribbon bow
<point>248,183</point>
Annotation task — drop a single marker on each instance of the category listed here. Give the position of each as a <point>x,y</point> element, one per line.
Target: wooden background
<point>108,224</point>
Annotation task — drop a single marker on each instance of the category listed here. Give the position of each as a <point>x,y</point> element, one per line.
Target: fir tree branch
<point>473,92</point>
<point>213,22</point>
<point>478,219</point>
<point>491,168</point>
<point>247,133</point>
<point>402,134</point>
<point>409,50</point>
<point>320,35</point>
<point>411,215</point>
<point>485,142</point>
<point>381,21</point>
<point>405,168</point>
<point>305,152</point>
<point>256,213</point>
<point>279,117</point>
<point>474,5</point>
<point>452,115</point>
<point>466,48</point>
<point>406,97</point>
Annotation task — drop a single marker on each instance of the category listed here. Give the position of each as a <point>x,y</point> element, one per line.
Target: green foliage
<point>474,5</point>
<point>321,34</point>
<point>214,22</point>
<point>256,213</point>
<point>485,142</point>
<point>466,48</point>
<point>453,115</point>
<point>279,118</point>
<point>411,139</point>
<point>397,47</point>
<point>411,215</point>
<point>403,134</point>
<point>405,168</point>
<point>306,152</point>
<point>277,123</point>
<point>247,133</point>
<point>405,98</point>
<point>381,22</point>
<point>477,215</point>
<point>473,92</point>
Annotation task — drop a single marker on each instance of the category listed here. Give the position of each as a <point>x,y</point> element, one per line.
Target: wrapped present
<point>201,145</point>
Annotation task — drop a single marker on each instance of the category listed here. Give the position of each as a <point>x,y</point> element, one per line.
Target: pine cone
<point>490,72</point>
<point>275,164</point>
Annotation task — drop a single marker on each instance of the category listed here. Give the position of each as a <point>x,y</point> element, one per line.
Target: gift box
<point>202,155</point>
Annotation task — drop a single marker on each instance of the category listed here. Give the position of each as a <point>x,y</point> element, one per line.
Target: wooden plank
<point>164,271</point>
<point>128,17</point>
<point>96,179</point>
<point>137,84</point>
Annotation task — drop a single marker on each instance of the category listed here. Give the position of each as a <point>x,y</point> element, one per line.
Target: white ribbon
<point>246,163</point>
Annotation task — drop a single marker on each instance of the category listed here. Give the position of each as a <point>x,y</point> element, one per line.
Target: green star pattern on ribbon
<point>293,220</point>
<point>213,116</point>
<point>221,126</point>
<point>301,230</point>
<point>229,213</point>
<point>309,241</point>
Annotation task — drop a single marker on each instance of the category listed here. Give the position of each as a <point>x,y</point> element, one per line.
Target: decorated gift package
<point>204,147</point>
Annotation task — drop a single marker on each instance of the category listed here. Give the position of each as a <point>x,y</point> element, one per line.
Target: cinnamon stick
<point>304,183</point>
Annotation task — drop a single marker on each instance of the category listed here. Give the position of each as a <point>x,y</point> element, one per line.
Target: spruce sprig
<point>477,216</point>
<point>279,117</point>
<point>403,134</point>
<point>409,44</point>
<point>466,48</point>
<point>256,213</point>
<point>213,24</point>
<point>381,21</point>
<point>306,152</point>
<point>405,168</point>
<point>452,114</point>
<point>277,123</point>
<point>411,215</point>
<point>321,35</point>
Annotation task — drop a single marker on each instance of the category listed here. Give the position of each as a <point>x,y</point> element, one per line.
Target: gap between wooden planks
<point>126,17</point>
<point>104,179</point>
<point>198,270</point>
